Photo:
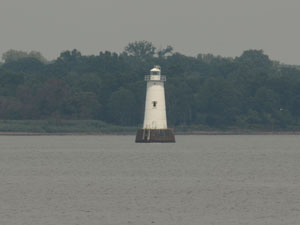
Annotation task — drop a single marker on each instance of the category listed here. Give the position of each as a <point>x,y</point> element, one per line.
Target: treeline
<point>206,91</point>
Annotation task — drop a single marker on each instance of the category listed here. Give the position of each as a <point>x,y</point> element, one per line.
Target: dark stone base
<point>155,135</point>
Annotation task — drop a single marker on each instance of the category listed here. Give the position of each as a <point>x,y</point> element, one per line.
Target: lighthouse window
<point>154,104</point>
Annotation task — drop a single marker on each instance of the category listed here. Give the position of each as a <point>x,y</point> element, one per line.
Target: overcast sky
<point>220,27</point>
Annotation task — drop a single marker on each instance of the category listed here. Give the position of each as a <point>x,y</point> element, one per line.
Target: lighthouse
<point>155,119</point>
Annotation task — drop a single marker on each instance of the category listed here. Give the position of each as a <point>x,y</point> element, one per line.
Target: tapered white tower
<point>155,119</point>
<point>155,106</point>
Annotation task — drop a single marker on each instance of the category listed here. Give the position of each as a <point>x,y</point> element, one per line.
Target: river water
<point>110,180</point>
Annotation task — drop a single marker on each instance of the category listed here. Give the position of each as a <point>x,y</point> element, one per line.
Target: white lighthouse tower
<point>155,118</point>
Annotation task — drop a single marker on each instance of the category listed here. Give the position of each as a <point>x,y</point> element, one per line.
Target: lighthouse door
<point>153,124</point>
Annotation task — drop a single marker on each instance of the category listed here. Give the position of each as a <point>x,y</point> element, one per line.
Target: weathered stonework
<point>155,135</point>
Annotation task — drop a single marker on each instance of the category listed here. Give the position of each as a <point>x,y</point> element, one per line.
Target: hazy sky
<point>220,27</point>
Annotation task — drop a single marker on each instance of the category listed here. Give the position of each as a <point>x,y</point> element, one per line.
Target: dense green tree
<point>164,51</point>
<point>122,107</point>
<point>141,49</point>
<point>9,81</point>
<point>15,55</point>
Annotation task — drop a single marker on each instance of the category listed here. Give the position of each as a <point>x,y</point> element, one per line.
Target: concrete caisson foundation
<point>155,135</point>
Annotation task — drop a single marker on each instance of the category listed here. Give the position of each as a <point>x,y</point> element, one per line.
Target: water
<point>110,180</point>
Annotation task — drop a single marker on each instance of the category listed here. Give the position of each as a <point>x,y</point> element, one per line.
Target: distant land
<point>105,93</point>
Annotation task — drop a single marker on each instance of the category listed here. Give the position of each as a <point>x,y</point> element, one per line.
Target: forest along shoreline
<point>205,92</point>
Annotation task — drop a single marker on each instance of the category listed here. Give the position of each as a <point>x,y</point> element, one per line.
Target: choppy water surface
<point>110,180</point>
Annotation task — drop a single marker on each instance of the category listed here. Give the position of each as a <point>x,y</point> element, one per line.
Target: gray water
<point>110,180</point>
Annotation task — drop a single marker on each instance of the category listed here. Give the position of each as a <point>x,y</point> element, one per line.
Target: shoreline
<point>244,132</point>
<point>239,133</point>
